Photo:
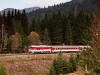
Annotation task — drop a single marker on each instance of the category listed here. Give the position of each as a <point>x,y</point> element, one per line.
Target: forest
<point>49,26</point>
<point>57,29</point>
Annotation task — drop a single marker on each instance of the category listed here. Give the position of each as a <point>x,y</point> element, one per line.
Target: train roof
<point>58,46</point>
<point>39,46</point>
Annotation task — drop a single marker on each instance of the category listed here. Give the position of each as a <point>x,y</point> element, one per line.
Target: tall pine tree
<point>46,38</point>
<point>68,34</point>
<point>24,22</point>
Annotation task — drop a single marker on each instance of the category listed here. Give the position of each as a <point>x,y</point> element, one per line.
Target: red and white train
<point>53,49</point>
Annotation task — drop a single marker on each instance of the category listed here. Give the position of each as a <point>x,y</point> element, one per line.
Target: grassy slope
<point>38,64</point>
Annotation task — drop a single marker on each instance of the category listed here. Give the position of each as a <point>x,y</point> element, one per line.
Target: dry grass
<point>37,64</point>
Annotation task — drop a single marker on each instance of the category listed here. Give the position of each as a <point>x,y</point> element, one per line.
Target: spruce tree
<point>79,28</point>
<point>36,26</point>
<point>0,21</point>
<point>91,57</point>
<point>8,47</point>
<point>18,23</point>
<point>86,32</point>
<point>12,14</point>
<point>4,18</point>
<point>46,38</point>
<point>46,21</point>
<point>72,62</point>
<point>9,24</point>
<point>24,23</point>
<point>52,29</point>
<point>61,66</point>
<point>64,29</point>
<point>32,28</point>
<point>52,71</point>
<point>56,28</point>
<point>0,29</point>
<point>4,15</point>
<point>68,34</point>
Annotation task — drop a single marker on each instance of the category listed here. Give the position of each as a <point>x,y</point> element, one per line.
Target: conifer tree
<point>61,66</point>
<point>18,15</point>
<point>0,21</point>
<point>36,25</point>
<point>24,23</point>
<point>9,24</point>
<point>86,32</point>
<point>72,62</point>
<point>18,27</point>
<point>44,23</point>
<point>79,28</point>
<point>32,28</point>
<point>68,34</point>
<point>52,29</point>
<point>15,14</point>
<point>4,15</point>
<point>56,28</point>
<point>91,57</point>
<point>4,18</point>
<point>12,14</point>
<point>64,29</point>
<point>52,71</point>
<point>46,38</point>
<point>0,30</point>
<point>8,47</point>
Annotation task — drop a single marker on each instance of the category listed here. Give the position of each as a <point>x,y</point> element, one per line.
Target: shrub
<point>2,69</point>
<point>87,73</point>
<point>97,69</point>
<point>72,62</point>
<point>52,71</point>
<point>62,66</point>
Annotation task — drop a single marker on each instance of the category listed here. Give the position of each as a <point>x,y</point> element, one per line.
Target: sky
<point>20,4</point>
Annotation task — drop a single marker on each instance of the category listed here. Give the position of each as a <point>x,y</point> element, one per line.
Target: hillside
<point>26,9</point>
<point>72,6</point>
<point>38,64</point>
